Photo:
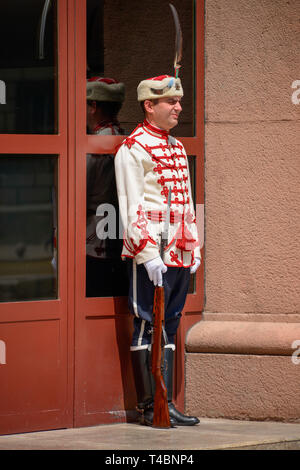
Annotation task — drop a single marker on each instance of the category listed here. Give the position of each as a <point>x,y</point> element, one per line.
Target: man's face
<point>90,111</point>
<point>164,112</point>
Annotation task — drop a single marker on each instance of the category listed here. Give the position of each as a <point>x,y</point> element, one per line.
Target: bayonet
<point>42,29</point>
<point>178,40</point>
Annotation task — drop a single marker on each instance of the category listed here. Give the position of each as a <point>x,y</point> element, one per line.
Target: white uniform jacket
<point>147,164</point>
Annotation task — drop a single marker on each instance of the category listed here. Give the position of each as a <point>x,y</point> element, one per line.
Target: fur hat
<point>159,87</point>
<point>105,89</point>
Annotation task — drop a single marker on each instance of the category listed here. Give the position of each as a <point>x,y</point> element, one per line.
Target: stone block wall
<point>252,224</point>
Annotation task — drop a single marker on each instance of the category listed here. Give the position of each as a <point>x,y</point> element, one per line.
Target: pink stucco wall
<point>252,156</point>
<point>252,218</point>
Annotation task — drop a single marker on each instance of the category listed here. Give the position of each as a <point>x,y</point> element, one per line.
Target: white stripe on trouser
<point>139,348</point>
<point>134,289</point>
<point>141,333</point>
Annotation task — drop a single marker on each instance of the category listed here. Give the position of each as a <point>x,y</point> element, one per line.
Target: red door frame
<point>46,320</point>
<point>93,404</point>
<point>106,309</point>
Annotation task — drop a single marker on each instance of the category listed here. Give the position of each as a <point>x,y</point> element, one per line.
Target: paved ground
<point>210,434</point>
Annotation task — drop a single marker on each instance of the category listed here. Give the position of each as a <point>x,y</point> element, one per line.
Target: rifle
<point>161,418</point>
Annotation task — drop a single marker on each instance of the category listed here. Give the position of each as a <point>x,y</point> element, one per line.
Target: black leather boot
<point>144,384</point>
<point>176,418</point>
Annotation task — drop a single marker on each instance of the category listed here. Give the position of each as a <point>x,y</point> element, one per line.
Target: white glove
<point>155,268</point>
<point>196,265</point>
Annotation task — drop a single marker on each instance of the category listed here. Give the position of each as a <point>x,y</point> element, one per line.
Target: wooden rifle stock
<point>161,418</point>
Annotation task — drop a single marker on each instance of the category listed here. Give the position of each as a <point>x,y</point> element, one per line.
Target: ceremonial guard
<point>150,163</point>
<point>105,273</point>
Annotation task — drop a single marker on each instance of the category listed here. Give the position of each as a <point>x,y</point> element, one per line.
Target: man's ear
<point>148,105</point>
<point>94,106</point>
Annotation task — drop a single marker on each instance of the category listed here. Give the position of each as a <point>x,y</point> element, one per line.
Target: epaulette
<point>131,139</point>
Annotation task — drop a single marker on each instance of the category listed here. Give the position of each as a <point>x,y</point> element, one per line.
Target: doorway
<point>64,358</point>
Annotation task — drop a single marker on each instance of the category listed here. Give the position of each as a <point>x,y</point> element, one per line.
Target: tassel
<point>186,242</point>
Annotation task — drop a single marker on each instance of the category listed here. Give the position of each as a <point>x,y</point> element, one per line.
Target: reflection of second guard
<point>105,97</point>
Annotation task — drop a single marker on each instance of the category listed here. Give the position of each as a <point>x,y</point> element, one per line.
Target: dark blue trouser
<point>140,300</point>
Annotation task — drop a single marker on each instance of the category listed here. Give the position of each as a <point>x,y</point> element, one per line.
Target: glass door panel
<point>28,221</point>
<point>28,67</point>
<point>137,42</point>
<point>34,202</point>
